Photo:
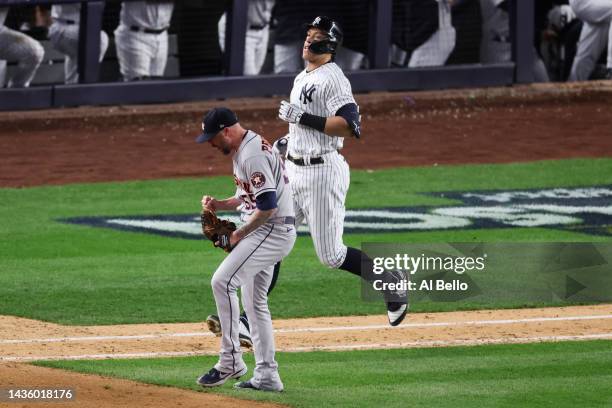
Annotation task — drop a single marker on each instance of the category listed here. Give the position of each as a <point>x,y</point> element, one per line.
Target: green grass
<point>81,275</point>
<point>568,374</point>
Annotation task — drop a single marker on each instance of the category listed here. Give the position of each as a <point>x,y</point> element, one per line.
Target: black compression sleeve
<point>313,121</point>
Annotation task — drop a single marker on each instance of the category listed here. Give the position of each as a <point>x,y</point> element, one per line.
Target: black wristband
<point>313,121</point>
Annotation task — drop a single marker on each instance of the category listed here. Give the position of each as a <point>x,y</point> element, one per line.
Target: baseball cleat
<point>214,377</point>
<point>244,334</point>
<point>214,325</point>
<point>248,385</point>
<point>396,313</point>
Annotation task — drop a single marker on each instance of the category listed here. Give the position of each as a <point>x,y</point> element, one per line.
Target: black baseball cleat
<point>215,377</point>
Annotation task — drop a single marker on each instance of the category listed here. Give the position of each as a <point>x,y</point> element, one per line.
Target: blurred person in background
<point>257,34</point>
<point>496,44</point>
<point>423,34</point>
<point>64,36</point>
<point>16,46</point>
<point>289,16</point>
<point>142,38</point>
<point>595,34</point>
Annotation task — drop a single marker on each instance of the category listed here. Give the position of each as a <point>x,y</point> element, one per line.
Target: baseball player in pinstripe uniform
<point>16,46</point>
<point>142,38</point>
<point>321,113</point>
<point>64,35</point>
<point>264,199</point>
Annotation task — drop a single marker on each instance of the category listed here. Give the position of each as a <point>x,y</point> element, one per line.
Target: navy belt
<point>282,220</point>
<point>301,162</point>
<point>148,30</point>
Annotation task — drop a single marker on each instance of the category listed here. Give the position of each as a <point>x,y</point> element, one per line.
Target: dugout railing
<point>378,77</point>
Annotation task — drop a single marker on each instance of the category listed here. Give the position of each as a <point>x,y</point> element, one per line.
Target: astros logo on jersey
<point>258,179</point>
<point>306,94</point>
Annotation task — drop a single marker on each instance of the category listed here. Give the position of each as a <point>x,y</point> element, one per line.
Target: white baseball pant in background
<point>596,32</point>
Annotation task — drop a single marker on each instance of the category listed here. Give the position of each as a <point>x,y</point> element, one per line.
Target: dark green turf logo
<point>586,209</point>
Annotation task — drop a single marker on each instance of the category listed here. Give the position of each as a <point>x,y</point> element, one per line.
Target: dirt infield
<point>92,391</point>
<point>25,340</point>
<point>399,129</point>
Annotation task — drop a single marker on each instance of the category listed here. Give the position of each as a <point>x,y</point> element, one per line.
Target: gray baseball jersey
<point>251,263</point>
<point>320,92</point>
<point>258,170</point>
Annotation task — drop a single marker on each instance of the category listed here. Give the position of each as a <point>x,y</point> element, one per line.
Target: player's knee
<point>219,284</point>
<point>35,55</point>
<point>331,259</point>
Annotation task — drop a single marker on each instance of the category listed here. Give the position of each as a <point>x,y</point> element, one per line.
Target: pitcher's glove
<point>217,230</point>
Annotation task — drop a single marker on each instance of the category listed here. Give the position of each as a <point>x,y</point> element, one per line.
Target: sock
<point>356,261</point>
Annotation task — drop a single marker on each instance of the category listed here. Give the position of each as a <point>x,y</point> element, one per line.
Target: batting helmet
<point>333,32</point>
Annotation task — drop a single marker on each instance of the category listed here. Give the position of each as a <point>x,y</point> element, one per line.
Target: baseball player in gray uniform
<point>16,46</point>
<point>263,197</point>
<point>64,36</point>
<point>321,113</point>
<point>142,38</point>
<point>257,34</point>
<point>596,16</point>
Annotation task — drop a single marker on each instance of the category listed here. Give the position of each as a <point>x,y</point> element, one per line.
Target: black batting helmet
<point>334,36</point>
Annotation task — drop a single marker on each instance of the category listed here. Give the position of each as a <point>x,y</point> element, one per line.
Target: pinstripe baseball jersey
<point>257,170</point>
<point>320,92</point>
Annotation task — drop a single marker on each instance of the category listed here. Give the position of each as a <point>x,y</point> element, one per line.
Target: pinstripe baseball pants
<point>319,192</point>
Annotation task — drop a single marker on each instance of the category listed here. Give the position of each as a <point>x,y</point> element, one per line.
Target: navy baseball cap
<point>215,121</point>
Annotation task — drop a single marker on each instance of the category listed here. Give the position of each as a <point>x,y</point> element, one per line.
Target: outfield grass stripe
<point>369,346</point>
<point>311,329</point>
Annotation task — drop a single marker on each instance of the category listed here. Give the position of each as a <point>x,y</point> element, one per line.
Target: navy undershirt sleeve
<point>266,201</point>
